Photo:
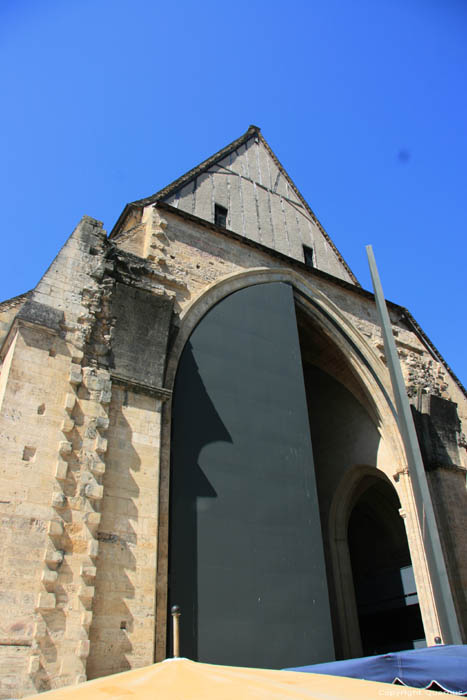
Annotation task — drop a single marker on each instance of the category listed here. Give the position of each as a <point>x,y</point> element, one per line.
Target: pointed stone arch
<point>374,381</point>
<point>345,497</point>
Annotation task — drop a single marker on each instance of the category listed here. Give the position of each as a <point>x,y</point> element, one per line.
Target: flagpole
<point>424,506</point>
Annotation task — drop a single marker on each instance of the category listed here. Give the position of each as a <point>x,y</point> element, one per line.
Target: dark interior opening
<point>220,215</point>
<point>387,601</point>
<point>308,255</point>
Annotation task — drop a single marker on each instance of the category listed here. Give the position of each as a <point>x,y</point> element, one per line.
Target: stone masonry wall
<point>30,428</point>
<point>83,405</point>
<point>51,465</point>
<point>123,628</point>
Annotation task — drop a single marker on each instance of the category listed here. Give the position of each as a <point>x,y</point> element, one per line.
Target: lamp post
<point>175,610</point>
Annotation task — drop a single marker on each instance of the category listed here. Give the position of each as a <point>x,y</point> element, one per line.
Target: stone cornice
<point>157,391</point>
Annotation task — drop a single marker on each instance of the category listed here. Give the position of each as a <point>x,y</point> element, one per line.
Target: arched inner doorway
<point>346,433</point>
<point>386,597</point>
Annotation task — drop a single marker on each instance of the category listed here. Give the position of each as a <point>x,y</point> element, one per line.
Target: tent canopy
<point>181,679</point>
<point>445,666</point>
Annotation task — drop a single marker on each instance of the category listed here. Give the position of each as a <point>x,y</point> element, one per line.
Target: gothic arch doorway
<point>373,581</point>
<point>349,415</point>
<point>386,596</point>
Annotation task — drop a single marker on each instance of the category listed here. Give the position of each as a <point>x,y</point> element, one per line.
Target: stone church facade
<point>114,375</point>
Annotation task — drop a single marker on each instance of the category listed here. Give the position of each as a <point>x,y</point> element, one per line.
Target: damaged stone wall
<point>440,437</point>
<point>51,490</point>
<point>83,405</point>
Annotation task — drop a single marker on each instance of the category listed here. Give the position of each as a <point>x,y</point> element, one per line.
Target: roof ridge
<point>198,169</point>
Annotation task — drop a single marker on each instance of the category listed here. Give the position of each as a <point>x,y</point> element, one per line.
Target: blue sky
<point>365,104</point>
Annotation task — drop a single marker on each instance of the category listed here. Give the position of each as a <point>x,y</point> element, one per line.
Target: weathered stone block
<point>59,499</point>
<point>86,594</point>
<point>94,491</point>
<point>102,422</point>
<point>86,619</point>
<point>45,601</point>
<point>100,445</point>
<point>49,577</point>
<point>54,557</point>
<point>83,648</point>
<point>65,448</point>
<point>98,467</point>
<point>70,402</point>
<point>88,572</point>
<point>39,630</point>
<point>106,395</point>
<point>75,376</point>
<point>33,665</point>
<point>93,549</point>
<point>92,520</point>
<point>67,425</point>
<point>93,382</point>
<point>42,315</point>
<point>61,470</point>
<point>76,354</point>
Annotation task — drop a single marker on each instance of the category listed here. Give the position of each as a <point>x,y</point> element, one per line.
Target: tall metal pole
<point>426,516</point>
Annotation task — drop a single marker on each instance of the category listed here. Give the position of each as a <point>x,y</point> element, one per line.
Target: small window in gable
<point>220,216</point>
<point>308,254</point>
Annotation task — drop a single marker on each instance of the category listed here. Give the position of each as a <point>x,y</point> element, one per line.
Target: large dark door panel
<point>246,555</point>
